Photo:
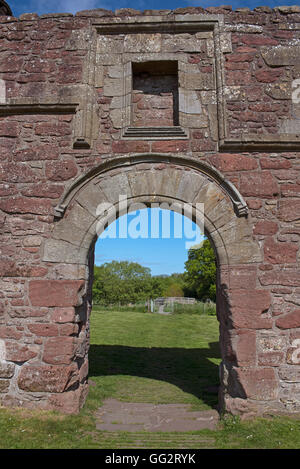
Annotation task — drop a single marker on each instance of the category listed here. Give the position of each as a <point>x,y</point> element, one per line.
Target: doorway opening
<point>140,354</point>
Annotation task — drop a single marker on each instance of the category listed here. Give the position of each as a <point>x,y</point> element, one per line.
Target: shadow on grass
<point>189,369</point>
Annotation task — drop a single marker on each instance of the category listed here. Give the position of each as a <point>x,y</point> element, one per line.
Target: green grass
<point>142,357</point>
<point>155,358</point>
<point>138,308</point>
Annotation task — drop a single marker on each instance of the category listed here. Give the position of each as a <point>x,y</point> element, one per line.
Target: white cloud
<point>72,6</point>
<point>55,6</point>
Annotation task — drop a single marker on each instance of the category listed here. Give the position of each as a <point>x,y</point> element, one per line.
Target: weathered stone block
<point>258,383</point>
<point>289,210</point>
<point>275,163</point>
<point>189,186</point>
<point>4,385</point>
<point>47,378</point>
<point>7,370</point>
<point>281,55</point>
<point>244,346</point>
<point>9,129</point>
<point>59,350</point>
<point>115,186</point>
<point>267,76</point>
<point>17,352</point>
<point>54,292</point>
<point>242,277</point>
<point>26,205</point>
<point>142,43</point>
<point>289,321</point>
<point>166,146</point>
<point>113,87</point>
<point>247,308</point>
<point>280,253</point>
<point>189,102</point>
<point>233,162</point>
<point>10,332</point>
<point>136,146</point>
<point>63,315</point>
<point>90,197</point>
<point>289,374</point>
<point>61,170</point>
<point>259,184</point>
<point>56,129</point>
<point>285,278</point>
<point>16,172</point>
<point>198,81</point>
<point>69,402</point>
<point>271,358</point>
<point>269,341</point>
<point>60,251</point>
<point>265,227</point>
<point>45,191</point>
<point>75,226</point>
<point>43,330</point>
<point>38,153</point>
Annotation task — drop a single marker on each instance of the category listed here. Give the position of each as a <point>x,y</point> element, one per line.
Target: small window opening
<point>155,94</point>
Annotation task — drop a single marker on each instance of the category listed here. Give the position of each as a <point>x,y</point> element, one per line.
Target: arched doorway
<point>148,179</point>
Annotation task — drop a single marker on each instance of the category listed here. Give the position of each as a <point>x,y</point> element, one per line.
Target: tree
<point>174,290</point>
<point>200,275</point>
<point>170,285</point>
<point>121,282</point>
<point>156,287</point>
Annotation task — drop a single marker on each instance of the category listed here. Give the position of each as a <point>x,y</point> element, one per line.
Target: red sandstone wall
<point>37,160</point>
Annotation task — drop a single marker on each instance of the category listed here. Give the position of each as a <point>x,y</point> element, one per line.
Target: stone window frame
<point>124,112</point>
<point>149,131</point>
<point>129,131</point>
<point>188,23</point>
<point>175,25</point>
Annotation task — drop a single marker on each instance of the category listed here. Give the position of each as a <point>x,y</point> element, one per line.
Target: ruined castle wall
<point>71,100</point>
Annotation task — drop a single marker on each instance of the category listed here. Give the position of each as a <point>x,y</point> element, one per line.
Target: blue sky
<point>164,249</point>
<point>72,6</point>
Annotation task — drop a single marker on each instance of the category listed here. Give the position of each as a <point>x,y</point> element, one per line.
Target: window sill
<point>155,133</point>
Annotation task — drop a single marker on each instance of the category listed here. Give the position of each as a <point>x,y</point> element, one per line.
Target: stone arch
<point>150,179</point>
<point>157,179</point>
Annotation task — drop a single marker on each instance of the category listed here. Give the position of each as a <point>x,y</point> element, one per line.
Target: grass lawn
<point>153,358</point>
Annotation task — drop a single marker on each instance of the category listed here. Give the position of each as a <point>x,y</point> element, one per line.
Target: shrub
<point>208,308</point>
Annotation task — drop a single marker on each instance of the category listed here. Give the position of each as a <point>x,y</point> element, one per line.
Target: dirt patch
<point>116,416</point>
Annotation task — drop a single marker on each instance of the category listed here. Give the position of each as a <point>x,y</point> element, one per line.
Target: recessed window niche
<point>155,94</point>
<point>154,99</point>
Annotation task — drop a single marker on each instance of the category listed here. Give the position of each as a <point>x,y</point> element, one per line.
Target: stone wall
<point>67,130</point>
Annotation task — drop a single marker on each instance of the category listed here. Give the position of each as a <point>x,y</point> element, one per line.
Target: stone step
<point>116,416</point>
